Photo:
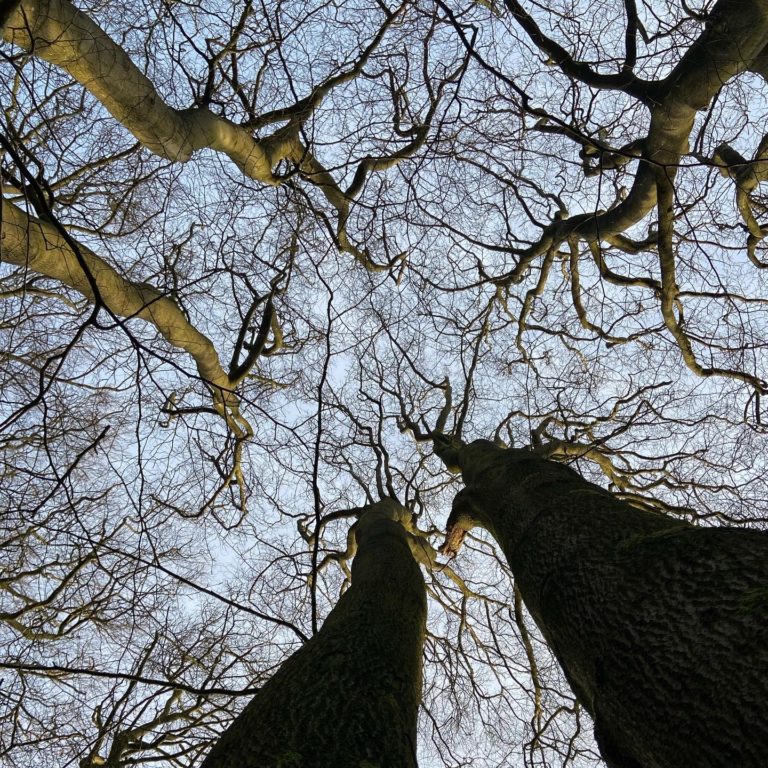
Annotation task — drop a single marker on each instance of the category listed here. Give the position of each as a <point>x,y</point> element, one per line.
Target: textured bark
<point>661,626</point>
<point>350,696</point>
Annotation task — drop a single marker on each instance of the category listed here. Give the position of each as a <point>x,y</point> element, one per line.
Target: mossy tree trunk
<point>349,698</point>
<point>661,626</point>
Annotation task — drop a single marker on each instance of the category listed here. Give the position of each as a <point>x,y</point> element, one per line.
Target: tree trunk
<point>350,696</point>
<point>661,626</point>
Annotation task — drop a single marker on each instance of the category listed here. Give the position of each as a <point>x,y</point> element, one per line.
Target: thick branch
<point>59,33</point>
<point>734,37</point>
<point>558,56</point>
<point>28,242</point>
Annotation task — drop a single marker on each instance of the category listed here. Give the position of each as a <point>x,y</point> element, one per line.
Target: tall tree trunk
<point>350,696</point>
<point>661,626</point>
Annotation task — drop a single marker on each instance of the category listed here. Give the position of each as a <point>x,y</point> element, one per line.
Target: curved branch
<point>34,244</point>
<point>736,35</point>
<point>625,81</point>
<point>59,33</point>
<point>671,308</point>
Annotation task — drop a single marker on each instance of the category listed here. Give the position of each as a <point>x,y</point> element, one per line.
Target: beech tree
<point>266,266</point>
<point>658,624</point>
<point>351,694</point>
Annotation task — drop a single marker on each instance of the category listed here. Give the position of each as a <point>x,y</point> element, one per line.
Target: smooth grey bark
<point>59,32</point>
<point>661,626</point>
<point>349,698</point>
<point>39,246</point>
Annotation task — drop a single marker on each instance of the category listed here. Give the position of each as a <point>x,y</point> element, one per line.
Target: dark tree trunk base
<point>350,696</point>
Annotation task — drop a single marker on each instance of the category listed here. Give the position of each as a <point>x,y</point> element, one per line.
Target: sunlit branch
<point>671,307</point>
<point>37,245</point>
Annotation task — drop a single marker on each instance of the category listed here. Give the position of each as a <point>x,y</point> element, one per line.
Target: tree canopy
<point>255,254</point>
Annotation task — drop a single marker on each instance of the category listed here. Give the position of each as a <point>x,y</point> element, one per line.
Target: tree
<point>250,251</point>
<point>658,624</point>
<point>351,695</point>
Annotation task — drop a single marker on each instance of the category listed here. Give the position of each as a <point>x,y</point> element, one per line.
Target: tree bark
<point>58,32</point>
<point>660,626</point>
<point>350,696</point>
<point>37,245</point>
